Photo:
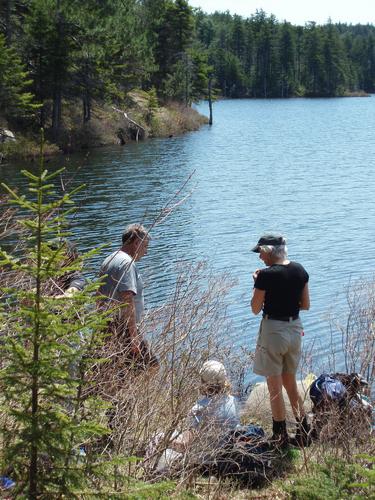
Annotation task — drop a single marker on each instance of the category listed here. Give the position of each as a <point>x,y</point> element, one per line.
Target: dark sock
<point>279,426</point>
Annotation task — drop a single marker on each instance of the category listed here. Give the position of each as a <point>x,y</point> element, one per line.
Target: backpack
<point>337,403</point>
<point>246,456</point>
<point>327,388</point>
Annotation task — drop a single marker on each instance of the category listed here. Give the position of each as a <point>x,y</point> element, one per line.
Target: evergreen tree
<point>265,77</point>
<point>50,418</point>
<point>299,41</point>
<point>128,61</point>
<point>228,72</point>
<point>287,58</point>
<point>15,100</point>
<point>180,18</point>
<point>335,63</point>
<point>48,46</point>
<point>237,38</point>
<point>171,25</point>
<point>313,73</point>
<point>368,64</point>
<point>46,347</point>
<point>204,28</point>
<point>12,14</point>
<point>249,44</point>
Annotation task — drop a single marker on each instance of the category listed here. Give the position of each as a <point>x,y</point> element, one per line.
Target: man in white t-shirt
<point>123,287</point>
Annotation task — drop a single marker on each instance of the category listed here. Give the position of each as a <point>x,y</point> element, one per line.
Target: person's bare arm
<point>257,300</point>
<point>305,298</point>
<point>182,442</point>
<point>129,318</point>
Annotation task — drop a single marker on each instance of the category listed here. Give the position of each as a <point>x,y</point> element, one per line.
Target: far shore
<point>106,127</point>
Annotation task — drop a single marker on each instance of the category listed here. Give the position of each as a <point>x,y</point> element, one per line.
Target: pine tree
<point>237,38</point>
<point>313,73</point>
<point>48,45</point>
<point>204,28</point>
<point>369,64</point>
<point>15,99</point>
<point>335,63</point>
<point>287,57</point>
<point>265,76</point>
<point>47,344</point>
<point>50,418</point>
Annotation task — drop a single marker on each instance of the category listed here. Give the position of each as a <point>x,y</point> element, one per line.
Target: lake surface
<point>302,167</point>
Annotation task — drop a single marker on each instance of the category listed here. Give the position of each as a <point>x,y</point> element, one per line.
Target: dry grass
<point>176,119</point>
<point>358,334</point>
<point>183,334</point>
<point>145,405</point>
<point>26,147</point>
<point>148,408</point>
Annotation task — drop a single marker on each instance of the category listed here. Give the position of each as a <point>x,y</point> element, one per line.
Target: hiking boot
<point>280,438</point>
<point>302,439</point>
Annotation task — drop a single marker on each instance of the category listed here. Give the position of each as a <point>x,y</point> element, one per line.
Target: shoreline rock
<point>6,136</point>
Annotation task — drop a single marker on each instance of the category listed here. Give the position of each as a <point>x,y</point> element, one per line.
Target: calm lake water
<point>303,167</point>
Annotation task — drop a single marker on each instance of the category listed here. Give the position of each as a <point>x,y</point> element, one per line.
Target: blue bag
<point>248,432</point>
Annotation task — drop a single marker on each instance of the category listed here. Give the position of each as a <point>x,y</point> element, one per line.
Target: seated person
<point>210,420</point>
<point>217,406</point>
<point>72,281</point>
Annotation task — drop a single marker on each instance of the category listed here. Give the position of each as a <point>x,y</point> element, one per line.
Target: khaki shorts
<point>278,347</point>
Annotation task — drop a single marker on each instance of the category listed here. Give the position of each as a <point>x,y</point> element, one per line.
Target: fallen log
<point>140,131</point>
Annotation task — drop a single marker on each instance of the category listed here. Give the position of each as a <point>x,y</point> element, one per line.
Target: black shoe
<point>302,439</point>
<point>280,438</point>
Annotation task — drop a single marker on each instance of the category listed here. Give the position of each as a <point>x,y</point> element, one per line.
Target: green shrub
<point>335,479</point>
<point>366,476</point>
<point>49,414</point>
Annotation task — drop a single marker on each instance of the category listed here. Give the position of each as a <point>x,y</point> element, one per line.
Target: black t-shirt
<point>283,285</point>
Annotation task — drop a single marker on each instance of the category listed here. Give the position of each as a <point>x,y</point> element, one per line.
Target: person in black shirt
<point>280,291</point>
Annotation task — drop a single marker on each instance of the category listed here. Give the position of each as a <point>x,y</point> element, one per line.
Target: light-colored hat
<point>213,373</point>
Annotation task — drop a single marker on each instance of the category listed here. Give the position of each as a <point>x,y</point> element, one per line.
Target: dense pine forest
<point>56,52</point>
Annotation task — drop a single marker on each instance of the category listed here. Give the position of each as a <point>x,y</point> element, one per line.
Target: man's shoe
<point>302,439</point>
<point>280,438</point>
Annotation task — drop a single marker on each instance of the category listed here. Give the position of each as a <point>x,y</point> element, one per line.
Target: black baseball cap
<point>269,239</point>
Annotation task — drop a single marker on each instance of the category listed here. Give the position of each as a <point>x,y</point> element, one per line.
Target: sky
<point>297,11</point>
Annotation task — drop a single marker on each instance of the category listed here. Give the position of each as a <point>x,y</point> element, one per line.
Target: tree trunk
<point>88,107</point>
<point>86,101</point>
<point>84,109</point>
<point>56,114</point>
<point>57,90</point>
<point>187,80</point>
<point>8,27</point>
<point>210,99</point>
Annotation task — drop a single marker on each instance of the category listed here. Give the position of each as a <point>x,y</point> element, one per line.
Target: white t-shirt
<point>218,410</point>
